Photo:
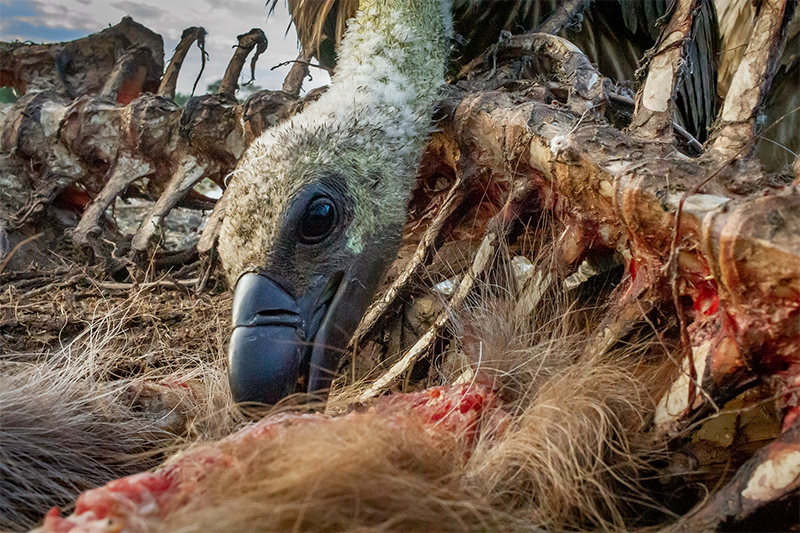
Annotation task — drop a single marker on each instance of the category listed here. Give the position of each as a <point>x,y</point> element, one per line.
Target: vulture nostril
<point>331,288</point>
<point>276,312</point>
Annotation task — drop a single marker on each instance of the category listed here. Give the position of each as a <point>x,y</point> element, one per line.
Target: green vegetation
<point>8,95</point>
<point>242,93</point>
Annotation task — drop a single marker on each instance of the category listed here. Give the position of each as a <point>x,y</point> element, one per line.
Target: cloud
<point>27,21</point>
<point>57,16</point>
<point>141,12</point>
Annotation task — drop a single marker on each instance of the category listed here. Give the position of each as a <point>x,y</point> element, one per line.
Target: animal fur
<point>565,446</point>
<point>565,449</point>
<point>571,456</point>
<point>61,434</point>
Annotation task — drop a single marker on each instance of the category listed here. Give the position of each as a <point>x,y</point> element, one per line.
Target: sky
<point>48,21</point>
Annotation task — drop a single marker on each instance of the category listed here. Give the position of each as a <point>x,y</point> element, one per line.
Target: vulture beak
<point>283,344</point>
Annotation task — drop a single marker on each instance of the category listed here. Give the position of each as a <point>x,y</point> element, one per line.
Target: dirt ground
<point>44,309</point>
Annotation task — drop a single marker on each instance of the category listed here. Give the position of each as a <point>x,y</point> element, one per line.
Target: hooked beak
<point>282,344</point>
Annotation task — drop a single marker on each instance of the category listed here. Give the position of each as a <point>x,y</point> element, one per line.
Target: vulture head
<point>316,206</point>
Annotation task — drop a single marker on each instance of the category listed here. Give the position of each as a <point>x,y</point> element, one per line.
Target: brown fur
<point>360,473</point>
<point>569,451</point>
<point>569,458</point>
<point>577,444</point>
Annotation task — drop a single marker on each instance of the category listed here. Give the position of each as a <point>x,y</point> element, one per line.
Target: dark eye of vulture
<point>318,220</point>
<point>317,205</point>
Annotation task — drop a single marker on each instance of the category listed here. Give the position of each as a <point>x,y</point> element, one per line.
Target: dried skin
<point>81,66</point>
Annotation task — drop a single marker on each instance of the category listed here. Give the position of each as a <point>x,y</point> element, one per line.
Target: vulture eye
<point>318,220</point>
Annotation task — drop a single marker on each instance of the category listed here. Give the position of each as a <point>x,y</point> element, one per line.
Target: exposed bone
<point>94,143</point>
<point>169,82</point>
<point>754,252</point>
<point>293,82</point>
<point>563,16</point>
<point>679,400</point>
<point>104,148</point>
<point>498,233</point>
<point>382,310</point>
<point>751,82</point>
<point>255,38</point>
<point>129,78</point>
<point>796,168</point>
<point>189,172</point>
<point>31,131</point>
<point>208,239</point>
<point>265,109</point>
<point>736,256</point>
<point>772,473</point>
<point>620,324</point>
<point>194,163</point>
<point>588,89</point>
<point>735,21</point>
<point>146,151</point>
<point>206,120</point>
<point>638,183</point>
<point>640,203</point>
<point>655,102</point>
<point>125,171</point>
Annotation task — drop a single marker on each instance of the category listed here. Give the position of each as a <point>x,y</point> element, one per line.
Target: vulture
<point>317,204</point>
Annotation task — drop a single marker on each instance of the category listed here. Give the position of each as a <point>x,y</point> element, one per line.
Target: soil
<point>46,307</point>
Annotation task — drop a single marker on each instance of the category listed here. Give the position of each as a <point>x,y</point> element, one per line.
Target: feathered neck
<point>369,127</point>
<point>389,75</point>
